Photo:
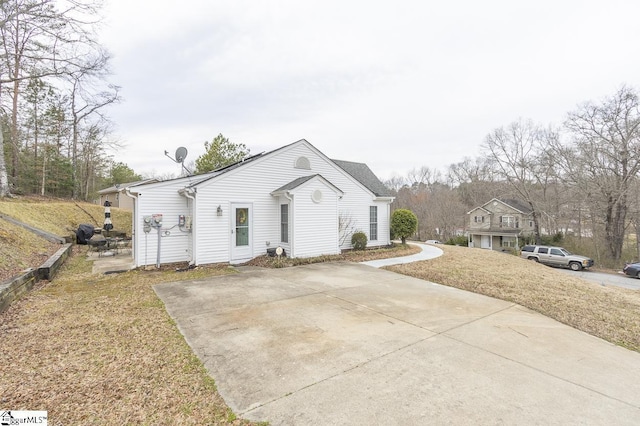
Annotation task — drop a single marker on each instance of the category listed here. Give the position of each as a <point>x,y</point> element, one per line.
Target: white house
<point>293,197</point>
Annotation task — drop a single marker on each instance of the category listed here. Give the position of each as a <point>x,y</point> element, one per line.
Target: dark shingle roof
<point>363,174</point>
<point>295,183</point>
<point>519,205</point>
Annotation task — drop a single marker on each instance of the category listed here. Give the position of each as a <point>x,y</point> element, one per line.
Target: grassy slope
<point>20,249</point>
<point>62,217</point>
<point>611,313</point>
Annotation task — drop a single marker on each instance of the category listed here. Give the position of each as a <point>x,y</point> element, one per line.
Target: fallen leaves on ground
<point>102,350</point>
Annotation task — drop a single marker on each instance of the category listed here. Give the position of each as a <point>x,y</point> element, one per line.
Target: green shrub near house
<point>359,240</point>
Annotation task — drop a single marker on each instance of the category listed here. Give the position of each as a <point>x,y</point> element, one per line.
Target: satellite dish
<point>181,154</point>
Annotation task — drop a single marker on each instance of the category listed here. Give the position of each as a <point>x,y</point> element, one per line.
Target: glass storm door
<point>241,247</point>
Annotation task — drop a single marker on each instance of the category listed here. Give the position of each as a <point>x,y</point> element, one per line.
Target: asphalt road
<point>605,279</point>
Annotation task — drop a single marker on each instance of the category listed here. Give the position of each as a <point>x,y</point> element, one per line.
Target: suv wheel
<point>535,259</point>
<point>575,266</point>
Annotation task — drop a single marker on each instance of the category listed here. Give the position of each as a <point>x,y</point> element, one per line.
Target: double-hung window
<point>373,223</point>
<point>284,223</point>
<point>508,222</point>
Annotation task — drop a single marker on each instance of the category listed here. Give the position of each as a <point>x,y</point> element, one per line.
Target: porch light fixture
<point>219,210</point>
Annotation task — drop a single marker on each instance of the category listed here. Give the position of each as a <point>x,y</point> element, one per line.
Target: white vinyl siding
<point>255,181</point>
<point>175,242</point>
<point>312,227</point>
<point>320,235</point>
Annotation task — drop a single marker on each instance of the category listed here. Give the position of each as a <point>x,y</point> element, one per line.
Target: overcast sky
<point>395,84</point>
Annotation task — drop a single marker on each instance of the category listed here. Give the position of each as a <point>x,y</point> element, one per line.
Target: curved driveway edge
<point>348,344</point>
<point>428,252</point>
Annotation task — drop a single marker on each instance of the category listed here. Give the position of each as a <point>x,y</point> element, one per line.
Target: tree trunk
<point>14,132</point>
<point>4,181</point>
<point>615,225</point>
<point>44,172</point>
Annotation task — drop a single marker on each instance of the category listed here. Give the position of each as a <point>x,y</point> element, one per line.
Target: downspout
<point>190,193</point>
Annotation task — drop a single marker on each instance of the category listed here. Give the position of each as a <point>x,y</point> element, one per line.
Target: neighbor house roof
<point>363,174</point>
<point>120,186</point>
<point>518,205</point>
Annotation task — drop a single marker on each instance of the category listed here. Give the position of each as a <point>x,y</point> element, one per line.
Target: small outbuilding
<point>115,194</point>
<point>293,197</point>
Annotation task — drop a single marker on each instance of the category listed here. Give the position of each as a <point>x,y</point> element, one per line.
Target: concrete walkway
<point>348,344</point>
<point>428,252</point>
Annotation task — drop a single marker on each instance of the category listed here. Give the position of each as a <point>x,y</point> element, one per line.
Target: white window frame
<point>373,223</point>
<point>508,242</point>
<point>510,221</point>
<point>284,223</point>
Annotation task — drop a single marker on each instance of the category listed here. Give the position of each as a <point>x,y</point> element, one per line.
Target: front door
<point>485,241</point>
<point>241,232</point>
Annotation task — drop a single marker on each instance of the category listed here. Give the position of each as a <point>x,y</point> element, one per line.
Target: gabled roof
<point>479,208</point>
<point>363,174</point>
<point>518,205</point>
<point>358,171</point>
<point>295,183</point>
<point>225,169</point>
<point>300,181</point>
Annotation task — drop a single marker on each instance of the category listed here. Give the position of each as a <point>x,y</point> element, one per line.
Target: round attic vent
<point>316,196</point>
<point>302,163</point>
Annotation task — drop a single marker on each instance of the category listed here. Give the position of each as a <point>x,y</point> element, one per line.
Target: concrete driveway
<point>348,344</point>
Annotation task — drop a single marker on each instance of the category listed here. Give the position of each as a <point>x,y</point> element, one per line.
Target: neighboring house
<point>499,224</point>
<point>293,197</point>
<point>115,194</point>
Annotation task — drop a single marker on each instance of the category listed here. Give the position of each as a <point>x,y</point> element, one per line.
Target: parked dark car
<point>632,269</point>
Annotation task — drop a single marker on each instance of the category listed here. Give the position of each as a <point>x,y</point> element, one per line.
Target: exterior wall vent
<point>302,163</point>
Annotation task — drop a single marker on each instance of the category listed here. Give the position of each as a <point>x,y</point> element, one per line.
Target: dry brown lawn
<point>610,313</point>
<point>102,350</point>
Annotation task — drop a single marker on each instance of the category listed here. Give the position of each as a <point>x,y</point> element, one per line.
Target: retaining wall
<point>12,288</point>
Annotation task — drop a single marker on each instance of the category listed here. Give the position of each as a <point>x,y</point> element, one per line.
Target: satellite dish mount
<point>181,154</point>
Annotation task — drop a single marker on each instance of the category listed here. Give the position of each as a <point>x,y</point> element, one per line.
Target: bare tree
<point>346,227</point>
<point>518,151</point>
<point>395,182</point>
<point>475,181</point>
<point>604,159</point>
<point>40,38</point>
<point>86,102</point>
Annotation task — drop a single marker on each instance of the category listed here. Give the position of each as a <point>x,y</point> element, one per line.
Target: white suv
<point>556,256</point>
